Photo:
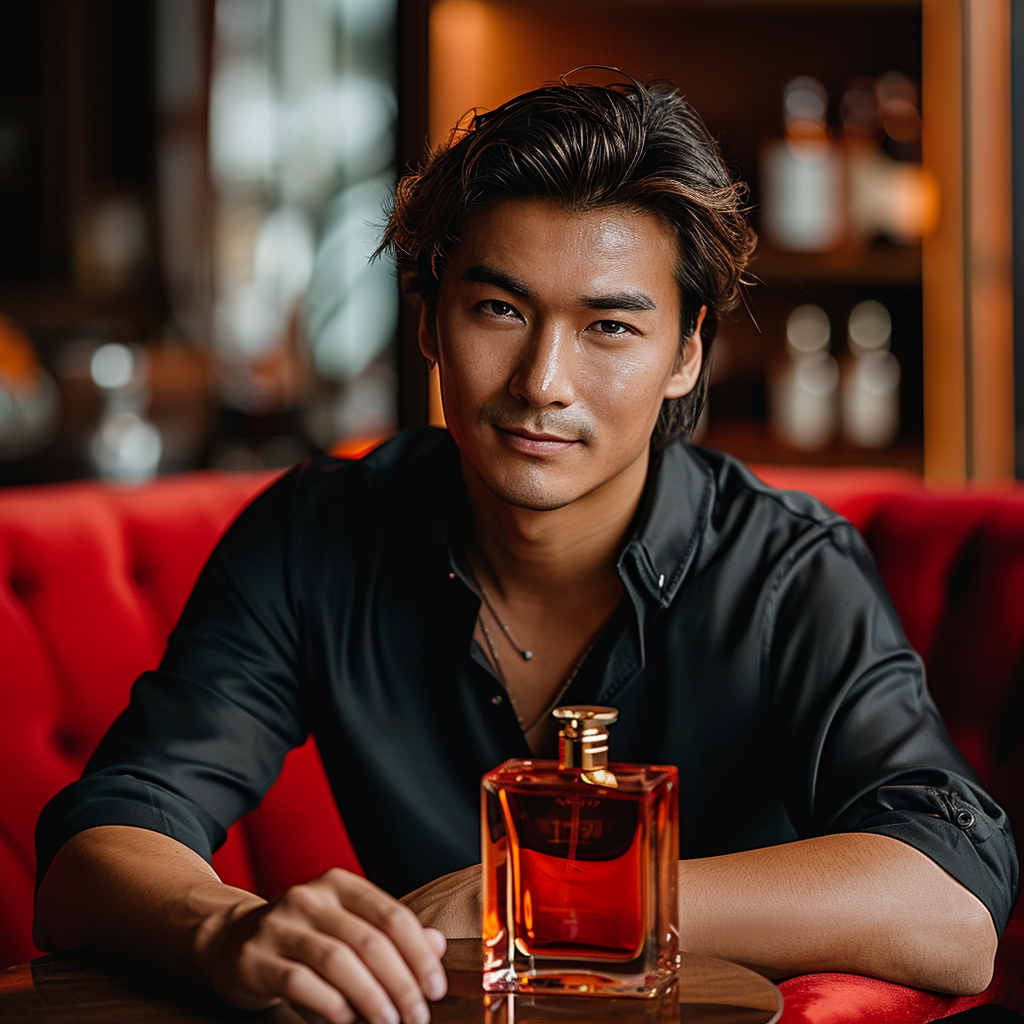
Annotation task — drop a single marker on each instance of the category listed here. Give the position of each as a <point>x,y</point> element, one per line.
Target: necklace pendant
<point>527,655</point>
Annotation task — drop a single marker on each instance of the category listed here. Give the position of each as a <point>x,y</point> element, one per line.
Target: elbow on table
<point>46,921</point>
<point>41,937</point>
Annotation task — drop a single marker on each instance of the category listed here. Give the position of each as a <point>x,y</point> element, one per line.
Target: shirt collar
<point>673,519</point>
<point>447,517</point>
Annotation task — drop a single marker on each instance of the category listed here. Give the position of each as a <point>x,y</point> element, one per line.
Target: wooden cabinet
<point>968,275</point>
<point>950,299</point>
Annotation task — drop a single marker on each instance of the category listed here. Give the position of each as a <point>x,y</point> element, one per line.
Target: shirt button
<point>964,818</point>
<point>496,699</point>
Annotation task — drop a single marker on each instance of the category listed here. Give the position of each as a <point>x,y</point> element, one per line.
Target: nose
<point>543,375</point>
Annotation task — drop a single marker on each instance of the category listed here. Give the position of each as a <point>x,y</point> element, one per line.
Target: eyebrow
<point>633,301</point>
<point>488,275</point>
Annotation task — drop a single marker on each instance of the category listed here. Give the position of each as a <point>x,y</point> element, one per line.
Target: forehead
<point>552,249</point>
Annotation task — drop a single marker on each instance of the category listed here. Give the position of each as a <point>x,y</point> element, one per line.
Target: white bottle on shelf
<point>871,379</point>
<point>804,385</point>
<point>802,175</point>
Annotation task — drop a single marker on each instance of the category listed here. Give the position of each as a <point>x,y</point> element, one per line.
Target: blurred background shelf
<point>753,442</point>
<point>878,264</point>
<point>733,62</point>
<point>118,127</point>
<point>49,309</point>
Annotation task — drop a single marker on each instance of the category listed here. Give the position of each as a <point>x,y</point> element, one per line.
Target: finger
<point>437,941</point>
<point>312,1017</point>
<point>302,986</point>
<point>375,949</point>
<point>338,964</point>
<point>400,925</point>
<point>387,964</point>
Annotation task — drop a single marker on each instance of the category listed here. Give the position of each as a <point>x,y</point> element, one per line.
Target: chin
<point>533,502</point>
<point>532,494</point>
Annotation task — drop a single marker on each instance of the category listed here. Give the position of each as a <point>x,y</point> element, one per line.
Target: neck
<point>569,550</point>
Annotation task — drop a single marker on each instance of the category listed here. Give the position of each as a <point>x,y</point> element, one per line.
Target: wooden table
<point>80,988</point>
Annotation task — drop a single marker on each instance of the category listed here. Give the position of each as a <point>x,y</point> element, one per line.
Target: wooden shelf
<point>877,265</point>
<point>954,293</point>
<point>751,441</point>
<point>737,6</point>
<point>51,309</point>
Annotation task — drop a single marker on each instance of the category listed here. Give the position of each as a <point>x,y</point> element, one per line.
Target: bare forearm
<point>133,892</point>
<point>856,902</point>
<point>336,945</point>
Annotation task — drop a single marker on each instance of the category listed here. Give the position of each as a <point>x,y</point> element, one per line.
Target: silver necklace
<point>526,655</point>
<point>523,653</point>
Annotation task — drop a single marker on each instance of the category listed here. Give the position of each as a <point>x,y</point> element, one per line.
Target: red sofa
<point>92,579</point>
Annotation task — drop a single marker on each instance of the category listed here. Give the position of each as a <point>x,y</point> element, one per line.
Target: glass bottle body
<point>579,878</point>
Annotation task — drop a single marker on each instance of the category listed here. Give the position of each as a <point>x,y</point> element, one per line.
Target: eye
<point>500,309</point>
<point>613,328</point>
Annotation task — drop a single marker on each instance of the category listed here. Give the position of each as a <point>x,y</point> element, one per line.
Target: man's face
<point>557,339</point>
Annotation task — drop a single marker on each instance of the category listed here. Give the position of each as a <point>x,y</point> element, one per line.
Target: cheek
<point>472,365</point>
<point>628,387</point>
<point>454,341</point>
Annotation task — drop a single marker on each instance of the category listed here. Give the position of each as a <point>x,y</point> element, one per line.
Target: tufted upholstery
<point>953,563</point>
<point>93,578</point>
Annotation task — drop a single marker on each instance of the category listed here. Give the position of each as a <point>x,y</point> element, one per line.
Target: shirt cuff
<point>122,800</point>
<point>951,828</point>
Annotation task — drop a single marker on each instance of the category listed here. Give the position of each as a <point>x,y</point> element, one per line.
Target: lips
<point>531,436</point>
<point>533,443</point>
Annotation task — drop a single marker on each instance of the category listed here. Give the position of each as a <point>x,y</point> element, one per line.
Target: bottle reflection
<point>525,1009</point>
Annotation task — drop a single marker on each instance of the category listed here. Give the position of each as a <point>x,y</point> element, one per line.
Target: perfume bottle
<point>579,869</point>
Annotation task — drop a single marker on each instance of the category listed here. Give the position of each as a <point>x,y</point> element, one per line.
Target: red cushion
<point>855,493</point>
<point>953,563</point>
<point>92,579</point>
<point>852,999</point>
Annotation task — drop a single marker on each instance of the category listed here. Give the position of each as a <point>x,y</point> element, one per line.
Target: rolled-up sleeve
<point>864,747</point>
<point>205,735</point>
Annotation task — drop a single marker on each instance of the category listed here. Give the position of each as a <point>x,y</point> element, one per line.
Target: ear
<point>684,378</point>
<point>427,333</point>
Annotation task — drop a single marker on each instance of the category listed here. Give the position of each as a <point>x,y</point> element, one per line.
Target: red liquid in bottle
<point>580,879</point>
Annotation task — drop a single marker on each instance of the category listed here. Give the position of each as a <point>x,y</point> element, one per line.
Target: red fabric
<point>92,579</point>
<point>855,493</point>
<point>842,998</point>
<point>953,563</point>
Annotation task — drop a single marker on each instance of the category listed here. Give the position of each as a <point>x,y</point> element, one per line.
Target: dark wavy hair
<point>587,147</point>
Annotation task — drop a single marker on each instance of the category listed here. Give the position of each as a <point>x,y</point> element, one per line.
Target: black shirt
<point>755,648</point>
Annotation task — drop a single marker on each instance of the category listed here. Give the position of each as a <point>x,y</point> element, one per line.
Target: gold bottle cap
<point>583,738</point>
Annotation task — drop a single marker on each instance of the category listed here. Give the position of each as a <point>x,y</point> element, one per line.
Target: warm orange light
<point>356,447</point>
<point>460,58</point>
<point>19,368</point>
<point>436,408</point>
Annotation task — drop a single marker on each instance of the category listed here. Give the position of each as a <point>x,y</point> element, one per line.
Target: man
<point>423,610</point>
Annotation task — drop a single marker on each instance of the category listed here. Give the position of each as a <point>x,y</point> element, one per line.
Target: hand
<point>337,945</point>
<point>450,904</point>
